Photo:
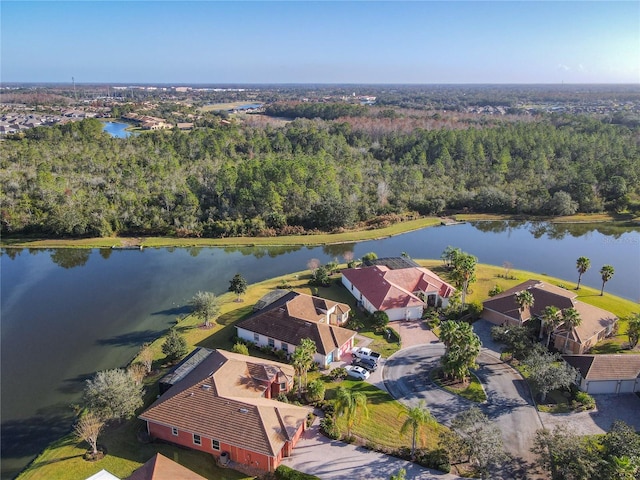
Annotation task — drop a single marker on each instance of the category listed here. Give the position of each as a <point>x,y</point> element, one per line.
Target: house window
<point>256,337</point>
<point>174,431</point>
<point>285,347</point>
<point>283,386</point>
<point>272,343</point>
<point>197,440</point>
<point>215,444</point>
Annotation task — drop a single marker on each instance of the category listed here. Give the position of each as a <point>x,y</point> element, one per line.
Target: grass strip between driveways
<point>472,390</point>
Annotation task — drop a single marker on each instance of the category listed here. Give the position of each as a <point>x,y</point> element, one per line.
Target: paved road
<point>509,403</point>
<point>333,460</point>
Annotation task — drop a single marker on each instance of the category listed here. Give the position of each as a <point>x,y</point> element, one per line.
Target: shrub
<point>329,428</point>
<point>585,400</point>
<point>286,473</point>
<point>436,459</point>
<point>315,391</point>
<point>495,290</point>
<point>282,397</point>
<point>338,374</point>
<point>240,348</point>
<point>380,320</point>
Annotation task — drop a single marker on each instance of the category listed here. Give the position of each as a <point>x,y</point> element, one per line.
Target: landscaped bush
<point>286,473</point>
<point>583,401</point>
<point>436,459</point>
<point>329,428</point>
<point>380,320</point>
<point>240,348</point>
<point>338,374</point>
<point>315,391</point>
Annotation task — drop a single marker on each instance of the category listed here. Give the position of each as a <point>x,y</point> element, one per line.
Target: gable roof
<point>594,319</point>
<point>223,398</point>
<point>297,316</point>
<point>102,475</point>
<point>160,467</point>
<point>386,289</point>
<point>605,367</point>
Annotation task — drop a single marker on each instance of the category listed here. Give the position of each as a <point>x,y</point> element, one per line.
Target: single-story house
<point>224,405</point>
<point>596,323</point>
<point>160,467</point>
<point>283,323</point>
<point>397,286</point>
<point>618,373</point>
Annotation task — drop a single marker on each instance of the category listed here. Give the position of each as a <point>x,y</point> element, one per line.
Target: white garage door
<point>627,386</point>
<point>604,386</point>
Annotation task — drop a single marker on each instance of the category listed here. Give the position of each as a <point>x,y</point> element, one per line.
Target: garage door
<point>627,386</point>
<point>608,386</point>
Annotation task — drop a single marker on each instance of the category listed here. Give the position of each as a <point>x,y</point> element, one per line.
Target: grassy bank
<point>291,240</point>
<point>63,459</point>
<point>606,217</point>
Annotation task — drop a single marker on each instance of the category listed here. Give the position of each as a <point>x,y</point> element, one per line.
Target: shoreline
<point>233,311</point>
<point>314,239</point>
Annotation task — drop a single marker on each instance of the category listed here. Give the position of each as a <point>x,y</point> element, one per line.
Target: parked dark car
<point>365,363</point>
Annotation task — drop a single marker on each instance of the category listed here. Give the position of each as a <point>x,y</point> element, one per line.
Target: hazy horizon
<point>319,43</point>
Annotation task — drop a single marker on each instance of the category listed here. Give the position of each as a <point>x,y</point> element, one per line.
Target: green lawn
<point>386,416</point>
<point>62,459</point>
<point>472,390</point>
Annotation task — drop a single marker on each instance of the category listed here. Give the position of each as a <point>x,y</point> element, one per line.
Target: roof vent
<point>243,410</point>
<point>206,387</point>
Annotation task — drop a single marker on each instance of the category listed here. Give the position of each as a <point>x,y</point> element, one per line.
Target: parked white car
<point>357,372</point>
<point>365,354</point>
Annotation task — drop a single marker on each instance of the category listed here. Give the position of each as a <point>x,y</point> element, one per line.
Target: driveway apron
<point>509,404</point>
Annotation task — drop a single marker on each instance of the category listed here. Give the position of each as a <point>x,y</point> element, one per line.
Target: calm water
<point>68,313</point>
<point>117,129</point>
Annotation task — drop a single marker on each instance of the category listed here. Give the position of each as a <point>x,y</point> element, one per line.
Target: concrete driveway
<point>333,460</point>
<point>509,404</point>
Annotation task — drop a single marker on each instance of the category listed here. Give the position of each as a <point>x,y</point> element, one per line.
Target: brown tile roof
<point>277,323</point>
<point>307,307</point>
<point>160,467</point>
<point>222,398</point>
<point>606,367</point>
<point>387,289</point>
<point>594,319</point>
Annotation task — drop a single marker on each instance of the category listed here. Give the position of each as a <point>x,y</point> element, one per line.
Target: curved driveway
<point>509,403</point>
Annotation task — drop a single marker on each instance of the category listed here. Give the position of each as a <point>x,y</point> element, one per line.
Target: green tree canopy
<point>206,306</point>
<point>113,394</point>
<point>238,285</point>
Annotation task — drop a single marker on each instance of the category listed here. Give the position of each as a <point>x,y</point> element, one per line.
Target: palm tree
<point>606,272</point>
<point>551,318</point>
<point>582,264</point>
<point>572,319</point>
<point>302,359</point>
<point>524,299</point>
<point>350,404</point>
<point>417,418</point>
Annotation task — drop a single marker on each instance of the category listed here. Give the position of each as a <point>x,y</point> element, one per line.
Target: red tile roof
<point>222,398</point>
<point>160,467</point>
<point>386,289</point>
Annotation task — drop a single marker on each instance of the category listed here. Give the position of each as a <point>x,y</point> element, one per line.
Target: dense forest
<point>240,179</point>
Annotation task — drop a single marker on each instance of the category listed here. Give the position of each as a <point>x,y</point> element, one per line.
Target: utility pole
<point>73,80</point>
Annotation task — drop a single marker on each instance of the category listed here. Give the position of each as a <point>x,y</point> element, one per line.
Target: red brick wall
<point>239,455</point>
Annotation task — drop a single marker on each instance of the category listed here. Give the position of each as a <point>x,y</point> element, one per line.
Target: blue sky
<point>320,42</point>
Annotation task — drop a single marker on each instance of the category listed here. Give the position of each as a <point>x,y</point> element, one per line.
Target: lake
<point>117,129</point>
<point>67,313</point>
